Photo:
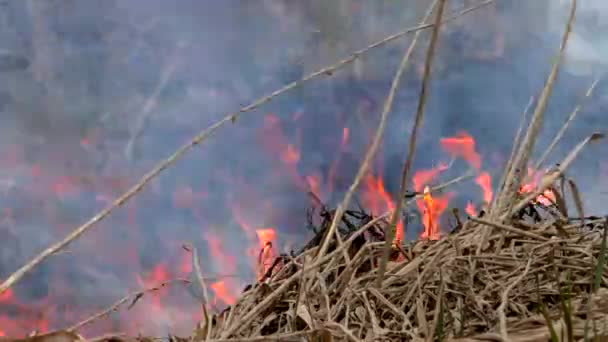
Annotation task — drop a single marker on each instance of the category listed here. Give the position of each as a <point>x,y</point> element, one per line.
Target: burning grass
<point>520,268</point>
<point>539,276</point>
<point>532,274</point>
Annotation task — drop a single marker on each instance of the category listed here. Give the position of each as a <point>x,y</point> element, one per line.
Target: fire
<point>378,201</point>
<point>290,155</point>
<point>485,183</point>
<point>463,146</point>
<point>423,177</point>
<point>6,296</point>
<point>431,209</point>
<point>547,198</point>
<point>223,289</point>
<point>470,209</point>
<point>267,255</point>
<point>158,275</point>
<point>222,292</point>
<point>315,185</point>
<point>345,133</point>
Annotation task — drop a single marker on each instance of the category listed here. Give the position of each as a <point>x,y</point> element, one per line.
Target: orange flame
<point>158,275</point>
<point>345,134</point>
<point>463,146</point>
<point>378,201</point>
<point>470,209</point>
<point>431,209</point>
<point>266,257</point>
<point>222,293</point>
<point>423,177</point>
<point>547,198</point>
<point>485,183</point>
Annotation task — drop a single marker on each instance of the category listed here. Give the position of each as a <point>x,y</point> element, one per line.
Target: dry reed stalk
<point>564,127</point>
<point>428,63</point>
<point>133,297</point>
<point>514,148</point>
<point>371,151</point>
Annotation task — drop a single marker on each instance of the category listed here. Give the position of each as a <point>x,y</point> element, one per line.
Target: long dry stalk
<point>564,127</point>
<point>428,64</point>
<point>514,148</point>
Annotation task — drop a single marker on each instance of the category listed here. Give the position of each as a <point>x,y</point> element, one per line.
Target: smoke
<point>94,94</point>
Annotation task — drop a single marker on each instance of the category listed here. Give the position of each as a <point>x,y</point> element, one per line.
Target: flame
<point>378,201</point>
<point>470,209</point>
<point>223,289</point>
<point>547,198</point>
<point>266,255</point>
<point>158,275</point>
<point>290,155</point>
<point>423,177</point>
<point>345,133</point>
<point>315,185</point>
<point>462,145</point>
<point>431,209</point>
<point>6,296</point>
<point>214,244</point>
<point>485,183</point>
<point>276,143</point>
<point>222,293</point>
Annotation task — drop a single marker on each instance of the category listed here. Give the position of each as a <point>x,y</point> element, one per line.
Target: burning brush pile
<point>527,265</point>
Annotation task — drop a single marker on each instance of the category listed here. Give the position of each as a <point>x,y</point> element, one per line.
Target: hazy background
<point>94,93</point>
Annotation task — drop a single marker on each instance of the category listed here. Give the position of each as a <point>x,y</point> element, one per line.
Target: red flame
<point>470,209</point>
<point>158,275</point>
<point>266,255</point>
<point>431,209</point>
<point>423,177</point>
<point>485,183</point>
<point>463,146</point>
<point>378,201</point>
<point>547,198</point>
<point>345,133</point>
<point>223,293</point>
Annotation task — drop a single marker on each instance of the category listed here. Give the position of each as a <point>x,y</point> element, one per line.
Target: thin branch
<point>562,130</point>
<point>201,282</point>
<point>133,297</point>
<point>390,229</point>
<point>515,146</point>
